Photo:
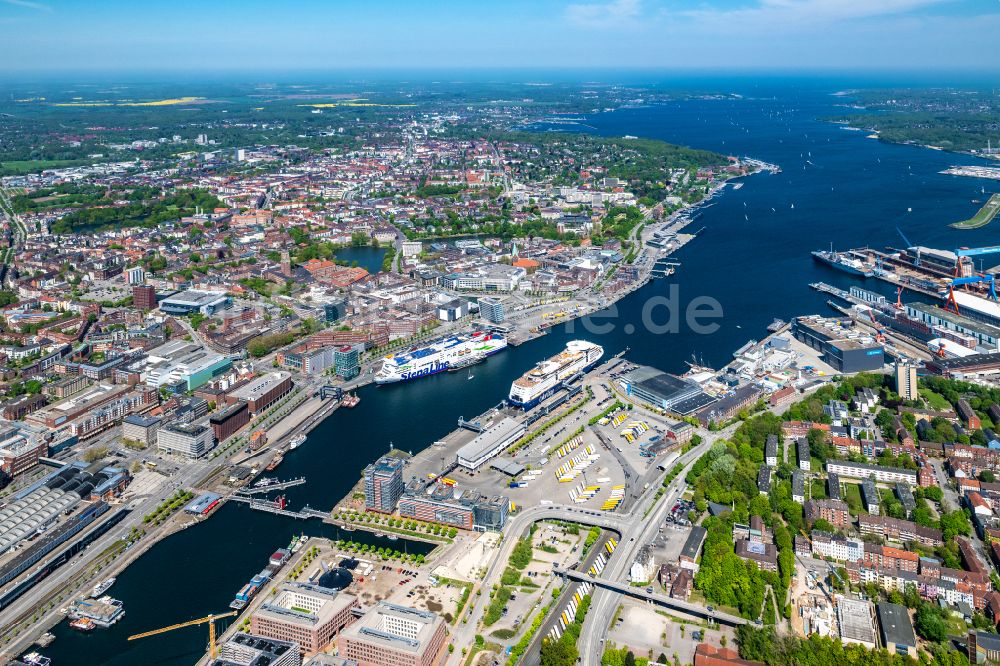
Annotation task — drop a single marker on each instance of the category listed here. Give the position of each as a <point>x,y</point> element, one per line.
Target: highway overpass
<point>662,600</point>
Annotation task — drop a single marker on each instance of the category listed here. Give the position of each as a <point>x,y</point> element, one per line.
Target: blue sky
<point>251,35</point>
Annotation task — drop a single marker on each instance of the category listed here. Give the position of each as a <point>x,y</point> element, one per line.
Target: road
<point>532,654</point>
<point>640,531</point>
<point>624,524</point>
<point>655,597</point>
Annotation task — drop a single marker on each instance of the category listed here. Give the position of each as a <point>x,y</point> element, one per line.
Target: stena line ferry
<point>545,378</point>
<point>454,351</point>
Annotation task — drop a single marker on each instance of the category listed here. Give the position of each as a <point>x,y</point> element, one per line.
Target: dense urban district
<point>191,284</point>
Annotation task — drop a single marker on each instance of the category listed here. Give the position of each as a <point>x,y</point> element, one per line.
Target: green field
<point>983,217</point>
<point>20,167</point>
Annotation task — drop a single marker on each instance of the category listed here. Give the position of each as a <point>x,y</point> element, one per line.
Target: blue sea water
<point>753,258</point>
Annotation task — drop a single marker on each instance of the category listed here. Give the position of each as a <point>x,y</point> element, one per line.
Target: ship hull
<point>820,257</point>
<point>517,397</point>
<point>480,349</point>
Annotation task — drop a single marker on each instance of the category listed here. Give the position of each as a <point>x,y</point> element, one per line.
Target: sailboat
<point>471,376</point>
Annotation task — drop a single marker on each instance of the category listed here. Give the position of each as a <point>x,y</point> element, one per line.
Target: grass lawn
<point>983,217</point>
<point>935,400</point>
<point>19,167</point>
<point>818,489</point>
<point>852,495</point>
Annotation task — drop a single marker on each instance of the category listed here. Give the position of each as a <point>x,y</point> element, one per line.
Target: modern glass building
<point>491,309</point>
<point>347,361</point>
<point>384,484</point>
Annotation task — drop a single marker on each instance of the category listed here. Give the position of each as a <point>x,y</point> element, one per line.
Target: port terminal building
<point>489,443</point>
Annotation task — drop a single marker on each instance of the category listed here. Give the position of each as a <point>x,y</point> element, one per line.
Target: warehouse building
<point>843,347</point>
<point>665,391</point>
<point>896,630</point>
<point>228,421</point>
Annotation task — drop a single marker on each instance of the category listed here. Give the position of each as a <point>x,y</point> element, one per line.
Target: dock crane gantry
<point>209,619</point>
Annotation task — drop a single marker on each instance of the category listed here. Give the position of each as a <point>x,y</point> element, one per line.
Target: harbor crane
<point>974,279</point>
<point>909,245</point>
<point>208,619</point>
<point>962,252</point>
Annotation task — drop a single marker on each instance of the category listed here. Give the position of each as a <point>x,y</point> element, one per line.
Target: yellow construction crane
<point>210,619</point>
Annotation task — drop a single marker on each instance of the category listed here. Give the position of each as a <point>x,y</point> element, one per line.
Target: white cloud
<point>29,4</point>
<point>776,14</point>
<point>604,15</point>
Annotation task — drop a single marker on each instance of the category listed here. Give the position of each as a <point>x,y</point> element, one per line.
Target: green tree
<point>558,652</point>
<point>930,623</point>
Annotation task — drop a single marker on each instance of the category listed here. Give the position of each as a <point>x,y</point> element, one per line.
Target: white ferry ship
<point>101,588</point>
<point>545,378</point>
<point>438,356</point>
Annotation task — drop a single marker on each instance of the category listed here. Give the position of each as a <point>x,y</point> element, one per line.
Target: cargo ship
<point>438,357</point>
<point>546,377</point>
<point>842,262</point>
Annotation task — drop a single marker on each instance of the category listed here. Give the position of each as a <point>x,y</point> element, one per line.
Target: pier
<point>830,289</point>
<point>280,485</point>
<point>276,508</point>
<point>474,426</point>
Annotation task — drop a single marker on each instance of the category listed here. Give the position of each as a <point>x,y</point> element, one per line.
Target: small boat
<point>35,659</point>
<point>393,537</point>
<point>296,442</point>
<point>349,528</point>
<point>273,465</point>
<point>379,535</point>
<point>350,400</point>
<point>101,588</point>
<point>83,624</point>
<point>264,483</point>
